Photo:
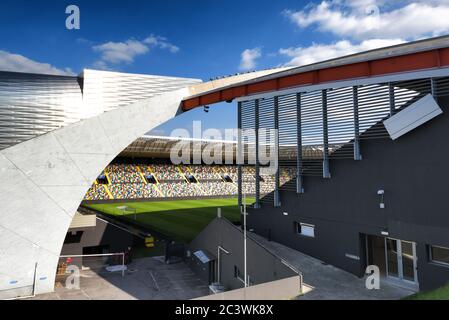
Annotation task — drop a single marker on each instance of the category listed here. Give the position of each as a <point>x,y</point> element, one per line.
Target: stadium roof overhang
<point>429,54</point>
<point>161,147</point>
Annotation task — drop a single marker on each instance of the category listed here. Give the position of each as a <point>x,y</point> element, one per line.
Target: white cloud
<point>319,52</point>
<point>363,20</point>
<point>18,63</point>
<point>248,59</point>
<point>121,52</point>
<point>161,43</point>
<point>127,51</point>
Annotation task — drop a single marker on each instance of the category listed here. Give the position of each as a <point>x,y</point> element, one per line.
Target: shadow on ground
<point>146,279</point>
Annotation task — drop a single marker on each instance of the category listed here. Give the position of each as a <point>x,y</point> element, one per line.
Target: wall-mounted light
<point>206,109</point>
<point>285,213</point>
<point>381,193</point>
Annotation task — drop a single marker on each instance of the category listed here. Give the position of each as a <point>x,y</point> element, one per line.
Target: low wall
<point>283,289</point>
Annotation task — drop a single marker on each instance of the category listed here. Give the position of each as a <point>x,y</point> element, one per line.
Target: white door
<point>401,260</point>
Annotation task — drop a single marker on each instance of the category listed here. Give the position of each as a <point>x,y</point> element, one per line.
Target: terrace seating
<point>123,173</point>
<point>180,189</point>
<point>133,191</point>
<point>201,172</point>
<point>219,188</point>
<point>164,172</point>
<point>127,181</point>
<point>249,188</point>
<point>97,192</point>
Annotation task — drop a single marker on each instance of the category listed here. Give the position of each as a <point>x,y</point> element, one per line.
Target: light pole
<point>244,241</point>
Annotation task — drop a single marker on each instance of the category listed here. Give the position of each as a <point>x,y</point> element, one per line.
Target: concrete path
<point>326,282</point>
<point>147,279</point>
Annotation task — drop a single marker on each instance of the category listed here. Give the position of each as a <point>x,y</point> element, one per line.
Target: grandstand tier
<point>122,181</point>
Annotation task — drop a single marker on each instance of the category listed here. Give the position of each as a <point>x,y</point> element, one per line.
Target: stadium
<point>142,177</point>
<point>357,143</point>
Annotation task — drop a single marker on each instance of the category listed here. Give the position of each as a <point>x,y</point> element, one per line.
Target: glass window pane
<point>392,258</point>
<point>440,254</point>
<point>306,230</point>
<point>408,261</point>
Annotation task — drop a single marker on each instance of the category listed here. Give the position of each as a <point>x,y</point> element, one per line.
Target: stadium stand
<point>180,190</point>
<point>202,172</point>
<point>165,172</point>
<point>136,181</point>
<point>97,192</point>
<point>219,188</point>
<point>124,173</point>
<point>144,171</point>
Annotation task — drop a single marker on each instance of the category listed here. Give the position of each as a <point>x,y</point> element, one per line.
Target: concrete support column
<point>392,99</point>
<point>257,165</point>
<point>240,154</point>
<point>357,155</point>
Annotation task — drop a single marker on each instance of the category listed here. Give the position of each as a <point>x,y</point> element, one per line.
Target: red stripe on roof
<point>436,58</point>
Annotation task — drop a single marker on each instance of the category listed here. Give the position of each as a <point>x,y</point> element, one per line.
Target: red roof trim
<point>411,62</point>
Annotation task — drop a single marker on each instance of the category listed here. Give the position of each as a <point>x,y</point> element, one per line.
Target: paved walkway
<point>326,282</point>
<point>147,279</point>
<point>151,278</point>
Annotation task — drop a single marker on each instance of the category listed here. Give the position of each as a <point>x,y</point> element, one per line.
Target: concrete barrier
<point>284,289</point>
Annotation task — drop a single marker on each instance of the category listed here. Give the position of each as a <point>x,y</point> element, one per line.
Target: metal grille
<point>32,104</point>
<point>288,140</point>
<point>328,124</point>
<point>341,122</point>
<point>312,133</point>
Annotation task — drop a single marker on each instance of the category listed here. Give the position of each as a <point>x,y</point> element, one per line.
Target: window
<point>306,230</point>
<point>439,255</point>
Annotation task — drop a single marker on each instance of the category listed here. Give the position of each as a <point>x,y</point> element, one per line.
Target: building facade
<point>370,186</point>
<point>340,221</point>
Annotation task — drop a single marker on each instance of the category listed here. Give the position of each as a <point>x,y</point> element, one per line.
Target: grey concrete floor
<point>147,279</point>
<point>326,282</point>
<point>152,279</point>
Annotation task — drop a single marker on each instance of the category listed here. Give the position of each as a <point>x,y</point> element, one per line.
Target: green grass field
<point>438,294</point>
<point>179,220</point>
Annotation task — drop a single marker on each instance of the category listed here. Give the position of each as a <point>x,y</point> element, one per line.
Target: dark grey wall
<point>263,266</point>
<point>412,170</point>
<point>103,233</point>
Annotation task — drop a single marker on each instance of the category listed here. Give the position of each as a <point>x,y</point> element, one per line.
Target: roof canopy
<point>419,55</point>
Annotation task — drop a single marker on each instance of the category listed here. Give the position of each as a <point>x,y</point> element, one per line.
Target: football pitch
<point>179,220</point>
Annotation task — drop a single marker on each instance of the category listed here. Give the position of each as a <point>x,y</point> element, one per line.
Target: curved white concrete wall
<point>43,181</point>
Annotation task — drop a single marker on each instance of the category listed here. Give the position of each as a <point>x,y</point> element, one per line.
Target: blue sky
<point>205,38</point>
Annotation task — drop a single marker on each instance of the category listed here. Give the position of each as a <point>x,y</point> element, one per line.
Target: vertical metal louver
<point>327,125</point>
